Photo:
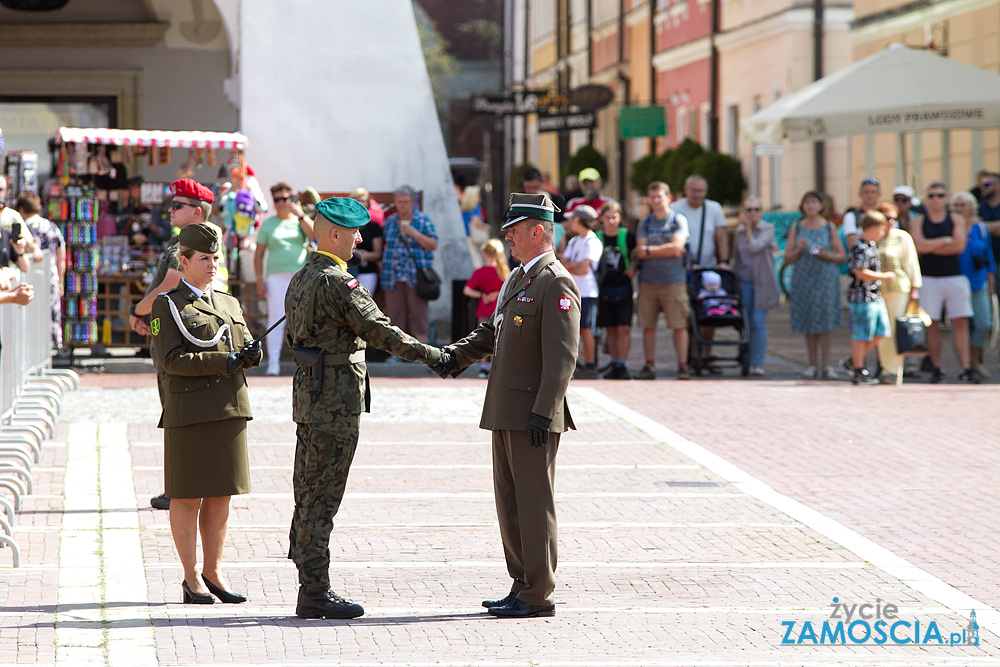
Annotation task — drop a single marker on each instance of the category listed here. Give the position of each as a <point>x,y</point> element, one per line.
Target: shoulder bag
<point>428,281</point>
<point>911,332</point>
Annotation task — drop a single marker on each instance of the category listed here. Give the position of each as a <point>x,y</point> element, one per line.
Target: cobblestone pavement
<point>695,518</point>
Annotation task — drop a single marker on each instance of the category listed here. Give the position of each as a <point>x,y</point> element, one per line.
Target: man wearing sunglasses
<point>902,198</point>
<point>191,204</point>
<point>989,206</point>
<point>940,238</point>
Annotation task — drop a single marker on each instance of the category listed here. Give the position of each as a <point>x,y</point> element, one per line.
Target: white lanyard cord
<point>190,337</point>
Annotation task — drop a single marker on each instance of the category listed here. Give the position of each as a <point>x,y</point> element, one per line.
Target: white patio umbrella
<point>896,90</point>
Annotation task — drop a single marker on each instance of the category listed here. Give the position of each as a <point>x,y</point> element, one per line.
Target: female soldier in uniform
<point>203,344</point>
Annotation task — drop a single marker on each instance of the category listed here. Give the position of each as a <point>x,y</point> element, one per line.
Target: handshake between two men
<point>537,426</point>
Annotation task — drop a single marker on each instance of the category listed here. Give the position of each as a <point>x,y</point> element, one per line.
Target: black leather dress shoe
<point>321,602</point>
<point>502,602</point>
<point>521,609</point>
<point>224,596</point>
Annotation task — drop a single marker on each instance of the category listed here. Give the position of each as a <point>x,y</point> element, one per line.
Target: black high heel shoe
<point>190,597</point>
<point>224,596</point>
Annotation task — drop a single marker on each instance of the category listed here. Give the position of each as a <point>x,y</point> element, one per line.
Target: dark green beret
<point>201,237</point>
<point>344,211</point>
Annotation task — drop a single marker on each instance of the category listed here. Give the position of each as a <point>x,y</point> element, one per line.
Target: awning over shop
<point>159,138</point>
<point>895,90</point>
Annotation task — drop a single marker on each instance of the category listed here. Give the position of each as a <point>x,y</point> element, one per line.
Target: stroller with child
<point>717,303</point>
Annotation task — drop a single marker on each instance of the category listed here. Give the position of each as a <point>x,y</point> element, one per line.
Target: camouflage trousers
<point>323,455</point>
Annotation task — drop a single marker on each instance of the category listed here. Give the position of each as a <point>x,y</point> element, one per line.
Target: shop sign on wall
<point>637,122</point>
<point>566,121</point>
<point>591,97</point>
<point>518,103</point>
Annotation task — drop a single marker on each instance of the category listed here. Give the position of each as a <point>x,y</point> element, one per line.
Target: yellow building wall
<point>543,57</point>
<point>780,63</point>
<point>640,62</point>
<point>972,38</point>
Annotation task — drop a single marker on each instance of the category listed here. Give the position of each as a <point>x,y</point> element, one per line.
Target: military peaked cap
<point>524,206</point>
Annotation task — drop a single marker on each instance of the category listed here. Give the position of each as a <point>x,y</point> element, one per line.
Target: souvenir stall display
<point>116,226</point>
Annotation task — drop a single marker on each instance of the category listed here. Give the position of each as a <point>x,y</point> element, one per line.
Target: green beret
<point>201,237</point>
<point>344,211</point>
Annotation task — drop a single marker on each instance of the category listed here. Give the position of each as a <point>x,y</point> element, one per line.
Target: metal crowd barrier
<point>31,394</point>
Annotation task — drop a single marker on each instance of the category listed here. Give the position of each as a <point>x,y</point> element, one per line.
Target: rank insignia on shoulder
<point>564,303</point>
<point>352,283</point>
<point>154,327</point>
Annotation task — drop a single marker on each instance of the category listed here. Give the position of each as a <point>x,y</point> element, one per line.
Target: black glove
<point>448,363</point>
<point>538,430</point>
<point>234,362</point>
<point>251,351</point>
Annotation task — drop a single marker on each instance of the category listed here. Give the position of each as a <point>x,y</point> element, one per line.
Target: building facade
<point>712,63</point>
<point>967,31</point>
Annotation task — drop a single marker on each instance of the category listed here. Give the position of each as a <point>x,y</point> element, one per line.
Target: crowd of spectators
<point>936,250</point>
<point>930,251</point>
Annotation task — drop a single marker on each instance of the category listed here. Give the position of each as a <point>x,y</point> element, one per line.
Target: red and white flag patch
<point>564,303</point>
<point>353,283</point>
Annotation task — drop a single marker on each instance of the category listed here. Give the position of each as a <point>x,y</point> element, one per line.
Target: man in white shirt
<point>708,245</point>
<point>869,192</point>
<point>708,241</point>
<point>581,259</point>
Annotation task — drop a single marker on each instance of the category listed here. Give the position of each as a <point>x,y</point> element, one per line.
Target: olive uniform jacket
<point>328,309</point>
<point>198,389</point>
<point>533,337</point>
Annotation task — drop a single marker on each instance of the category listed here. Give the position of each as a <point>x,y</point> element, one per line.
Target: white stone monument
<point>358,111</point>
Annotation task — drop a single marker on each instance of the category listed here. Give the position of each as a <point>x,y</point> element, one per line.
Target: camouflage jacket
<point>327,308</point>
<point>168,260</point>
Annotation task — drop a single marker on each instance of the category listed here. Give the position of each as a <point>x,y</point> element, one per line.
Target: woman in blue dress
<point>814,247</point>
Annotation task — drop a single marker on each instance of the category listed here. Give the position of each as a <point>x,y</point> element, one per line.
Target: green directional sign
<point>636,122</point>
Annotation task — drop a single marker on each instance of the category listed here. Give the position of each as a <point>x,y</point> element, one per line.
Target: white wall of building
<point>358,112</point>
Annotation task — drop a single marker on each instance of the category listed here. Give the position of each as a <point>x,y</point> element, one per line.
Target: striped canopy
<point>165,138</point>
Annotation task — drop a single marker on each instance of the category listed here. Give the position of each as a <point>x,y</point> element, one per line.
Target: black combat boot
<point>321,602</point>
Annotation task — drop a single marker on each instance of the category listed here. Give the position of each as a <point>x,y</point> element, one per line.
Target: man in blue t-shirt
<point>989,207</point>
<point>660,241</point>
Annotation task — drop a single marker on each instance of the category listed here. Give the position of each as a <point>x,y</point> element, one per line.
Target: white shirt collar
<point>197,292</point>
<point>527,267</point>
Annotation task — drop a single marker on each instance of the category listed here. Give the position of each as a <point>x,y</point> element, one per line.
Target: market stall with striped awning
<point>157,138</point>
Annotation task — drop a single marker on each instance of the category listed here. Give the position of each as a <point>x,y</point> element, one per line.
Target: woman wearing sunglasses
<point>753,264</point>
<point>284,238</point>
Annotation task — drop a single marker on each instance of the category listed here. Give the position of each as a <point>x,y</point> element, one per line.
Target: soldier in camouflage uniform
<point>331,319</point>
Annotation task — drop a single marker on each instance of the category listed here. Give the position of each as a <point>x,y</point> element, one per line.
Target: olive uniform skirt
<point>206,460</point>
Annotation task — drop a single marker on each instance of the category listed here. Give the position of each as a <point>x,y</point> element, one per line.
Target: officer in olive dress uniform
<point>202,345</point>
<point>533,337</point>
<point>331,319</point>
<point>191,204</point>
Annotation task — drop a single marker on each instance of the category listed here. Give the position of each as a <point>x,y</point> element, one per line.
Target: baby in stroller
<point>713,298</point>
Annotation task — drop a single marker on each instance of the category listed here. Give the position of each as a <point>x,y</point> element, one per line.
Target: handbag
<point>911,332</point>
<point>428,281</point>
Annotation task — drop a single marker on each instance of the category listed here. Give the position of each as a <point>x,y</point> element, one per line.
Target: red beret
<point>185,187</point>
